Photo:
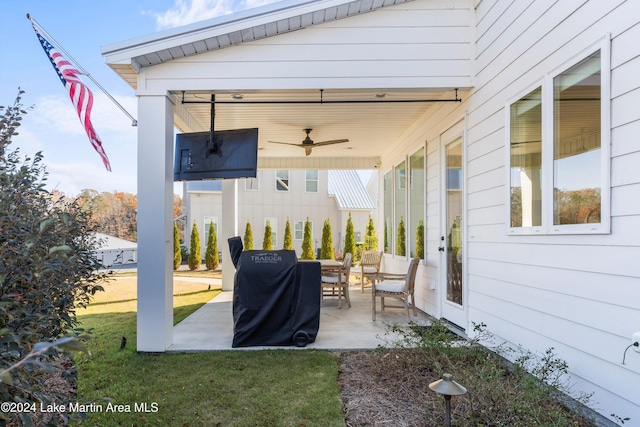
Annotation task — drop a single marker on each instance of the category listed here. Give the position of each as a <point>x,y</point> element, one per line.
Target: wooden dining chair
<point>335,282</point>
<point>369,267</point>
<point>399,286</point>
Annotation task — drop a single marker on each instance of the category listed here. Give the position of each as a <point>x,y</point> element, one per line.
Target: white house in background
<point>280,195</point>
<point>115,252</point>
<point>526,178</point>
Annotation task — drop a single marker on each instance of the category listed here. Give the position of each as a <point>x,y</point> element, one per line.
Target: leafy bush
<point>47,267</point>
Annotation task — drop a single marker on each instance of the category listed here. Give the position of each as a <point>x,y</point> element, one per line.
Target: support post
<point>155,217</point>
<point>229,228</point>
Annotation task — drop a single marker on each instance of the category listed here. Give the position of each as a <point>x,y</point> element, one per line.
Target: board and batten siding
<point>579,294</point>
<point>417,44</point>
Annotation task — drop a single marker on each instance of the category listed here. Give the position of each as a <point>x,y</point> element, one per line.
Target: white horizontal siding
<point>577,293</point>
<point>420,44</point>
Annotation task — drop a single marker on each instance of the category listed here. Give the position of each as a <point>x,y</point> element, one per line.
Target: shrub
<point>248,237</point>
<point>401,242</point>
<point>350,239</point>
<point>288,239</point>
<point>371,237</point>
<point>420,240</point>
<point>267,240</point>
<point>307,248</point>
<point>326,251</point>
<point>195,254</point>
<point>211,257</point>
<point>177,252</point>
<point>47,269</point>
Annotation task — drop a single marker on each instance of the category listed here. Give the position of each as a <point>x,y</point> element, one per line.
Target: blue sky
<point>82,27</point>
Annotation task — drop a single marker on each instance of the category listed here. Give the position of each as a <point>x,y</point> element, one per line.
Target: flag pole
<point>134,122</point>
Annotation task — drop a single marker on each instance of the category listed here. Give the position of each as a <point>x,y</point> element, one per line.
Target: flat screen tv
<point>231,154</point>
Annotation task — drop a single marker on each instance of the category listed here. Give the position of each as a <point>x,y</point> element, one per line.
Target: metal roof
<point>348,190</point>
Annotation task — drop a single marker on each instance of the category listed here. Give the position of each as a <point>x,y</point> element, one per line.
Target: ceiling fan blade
<point>286,143</point>
<point>334,141</point>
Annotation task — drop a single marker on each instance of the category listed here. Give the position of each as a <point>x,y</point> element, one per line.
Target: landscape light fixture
<point>447,387</point>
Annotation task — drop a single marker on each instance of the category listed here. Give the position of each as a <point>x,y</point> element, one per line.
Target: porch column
<point>530,185</point>
<point>155,232</point>
<point>229,228</point>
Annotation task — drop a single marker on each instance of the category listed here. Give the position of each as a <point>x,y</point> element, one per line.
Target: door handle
<point>441,248</point>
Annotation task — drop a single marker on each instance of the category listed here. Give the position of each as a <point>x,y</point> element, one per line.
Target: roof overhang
<point>126,58</point>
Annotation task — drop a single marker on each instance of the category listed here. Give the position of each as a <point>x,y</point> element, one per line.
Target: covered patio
<point>370,80</point>
<point>210,328</point>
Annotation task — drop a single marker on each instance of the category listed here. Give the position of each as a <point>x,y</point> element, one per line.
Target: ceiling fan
<point>308,143</point>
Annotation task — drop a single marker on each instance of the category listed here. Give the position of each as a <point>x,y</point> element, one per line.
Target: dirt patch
<point>391,388</point>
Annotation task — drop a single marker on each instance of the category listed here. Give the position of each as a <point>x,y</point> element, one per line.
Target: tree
<point>267,240</point>
<point>420,240</point>
<point>211,257</point>
<point>195,254</point>
<point>177,253</point>
<point>326,251</point>
<point>307,247</point>
<point>288,239</point>
<point>371,237</point>
<point>248,238</point>
<point>401,243</point>
<point>47,269</point>
<point>350,239</point>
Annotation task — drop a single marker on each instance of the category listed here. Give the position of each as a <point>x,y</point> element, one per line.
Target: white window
<point>298,230</point>
<point>558,150</point>
<point>252,184</point>
<point>311,181</point>
<point>282,180</point>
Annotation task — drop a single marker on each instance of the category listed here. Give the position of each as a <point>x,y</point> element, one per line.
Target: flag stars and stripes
<point>81,96</point>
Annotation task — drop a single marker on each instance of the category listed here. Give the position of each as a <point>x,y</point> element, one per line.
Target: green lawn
<point>226,388</point>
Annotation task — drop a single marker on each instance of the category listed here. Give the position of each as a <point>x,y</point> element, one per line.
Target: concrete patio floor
<point>210,328</point>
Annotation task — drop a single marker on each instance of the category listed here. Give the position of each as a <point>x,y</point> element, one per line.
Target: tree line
<point>115,213</point>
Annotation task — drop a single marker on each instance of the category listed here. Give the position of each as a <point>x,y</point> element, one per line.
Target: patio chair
<point>399,286</point>
<point>369,267</point>
<point>335,282</point>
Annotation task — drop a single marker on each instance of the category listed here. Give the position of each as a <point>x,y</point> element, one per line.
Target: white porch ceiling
<point>371,127</point>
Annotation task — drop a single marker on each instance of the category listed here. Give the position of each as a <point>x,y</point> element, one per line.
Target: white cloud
<point>188,11</point>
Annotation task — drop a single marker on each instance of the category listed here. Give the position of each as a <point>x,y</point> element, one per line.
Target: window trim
<point>546,82</point>
<point>307,181</point>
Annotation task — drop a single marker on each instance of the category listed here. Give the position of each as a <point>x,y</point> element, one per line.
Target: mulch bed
<point>391,388</point>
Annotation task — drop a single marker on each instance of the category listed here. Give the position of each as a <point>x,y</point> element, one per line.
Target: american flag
<point>81,96</point>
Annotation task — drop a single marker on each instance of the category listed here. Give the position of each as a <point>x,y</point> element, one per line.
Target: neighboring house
<point>280,195</point>
<point>115,252</point>
<point>528,188</point>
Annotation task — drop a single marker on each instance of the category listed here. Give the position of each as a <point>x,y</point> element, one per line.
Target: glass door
<point>452,239</point>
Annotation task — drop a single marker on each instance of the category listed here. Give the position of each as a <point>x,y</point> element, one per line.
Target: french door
<point>452,241</point>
